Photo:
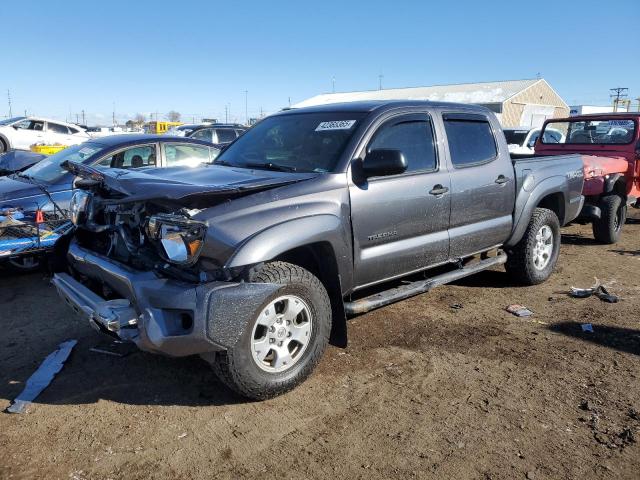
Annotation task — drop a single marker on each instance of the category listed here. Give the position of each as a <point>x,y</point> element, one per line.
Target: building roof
<point>486,92</point>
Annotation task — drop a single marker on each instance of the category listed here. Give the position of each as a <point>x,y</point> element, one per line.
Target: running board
<point>393,295</point>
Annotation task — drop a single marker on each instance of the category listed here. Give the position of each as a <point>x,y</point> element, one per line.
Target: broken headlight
<point>78,207</point>
<point>178,238</point>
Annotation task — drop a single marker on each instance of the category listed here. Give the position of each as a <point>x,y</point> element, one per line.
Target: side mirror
<point>531,143</point>
<point>383,162</point>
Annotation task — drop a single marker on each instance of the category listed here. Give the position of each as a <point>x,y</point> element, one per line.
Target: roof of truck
<point>366,106</point>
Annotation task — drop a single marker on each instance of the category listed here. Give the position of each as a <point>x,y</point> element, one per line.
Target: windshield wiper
<point>272,166</point>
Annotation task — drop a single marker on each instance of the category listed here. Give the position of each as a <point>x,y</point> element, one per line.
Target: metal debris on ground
<point>456,306</point>
<point>519,310</point>
<point>42,377</point>
<point>587,327</point>
<point>115,349</point>
<point>597,289</point>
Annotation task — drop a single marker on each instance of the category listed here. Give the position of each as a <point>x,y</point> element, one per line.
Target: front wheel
<point>608,228</point>
<point>281,346</point>
<point>534,257</point>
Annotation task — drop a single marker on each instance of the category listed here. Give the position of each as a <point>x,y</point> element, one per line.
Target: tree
<point>139,119</point>
<point>173,116</point>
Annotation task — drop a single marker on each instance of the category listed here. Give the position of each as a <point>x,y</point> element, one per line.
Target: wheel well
<point>5,142</point>
<point>555,203</point>
<point>620,188</point>
<point>319,259</point>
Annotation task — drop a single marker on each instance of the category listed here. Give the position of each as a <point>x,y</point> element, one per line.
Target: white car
<point>522,139</point>
<point>21,132</point>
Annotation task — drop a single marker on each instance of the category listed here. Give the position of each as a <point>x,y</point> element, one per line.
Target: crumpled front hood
<point>183,183</point>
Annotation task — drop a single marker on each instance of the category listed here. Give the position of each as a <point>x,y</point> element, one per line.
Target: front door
<point>400,221</point>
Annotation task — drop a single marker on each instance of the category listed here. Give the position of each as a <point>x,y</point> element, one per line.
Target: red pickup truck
<point>610,145</point>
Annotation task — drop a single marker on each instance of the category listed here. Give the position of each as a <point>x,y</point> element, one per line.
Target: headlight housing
<point>79,207</point>
<point>179,239</point>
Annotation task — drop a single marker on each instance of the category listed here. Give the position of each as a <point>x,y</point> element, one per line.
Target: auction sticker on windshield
<point>335,125</point>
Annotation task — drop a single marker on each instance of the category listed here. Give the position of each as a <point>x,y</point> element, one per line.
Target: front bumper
<point>161,315</point>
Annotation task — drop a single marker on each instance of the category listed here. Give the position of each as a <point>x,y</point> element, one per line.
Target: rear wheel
<point>608,228</point>
<point>281,346</point>
<point>534,257</point>
<point>3,146</point>
<point>24,264</point>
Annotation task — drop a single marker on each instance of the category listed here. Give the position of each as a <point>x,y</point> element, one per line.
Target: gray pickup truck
<point>313,215</point>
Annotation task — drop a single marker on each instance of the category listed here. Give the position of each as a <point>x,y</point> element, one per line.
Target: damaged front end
<point>137,273</point>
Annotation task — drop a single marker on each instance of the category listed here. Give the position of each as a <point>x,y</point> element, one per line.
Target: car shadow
<point>572,239</point>
<point>618,338</point>
<point>487,278</point>
<point>135,379</point>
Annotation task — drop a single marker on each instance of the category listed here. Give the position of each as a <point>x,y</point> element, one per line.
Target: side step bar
<point>402,292</point>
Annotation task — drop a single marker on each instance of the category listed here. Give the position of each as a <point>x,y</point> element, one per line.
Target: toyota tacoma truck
<point>313,215</point>
<point>610,145</point>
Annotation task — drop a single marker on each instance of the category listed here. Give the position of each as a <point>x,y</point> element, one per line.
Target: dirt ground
<point>424,390</point>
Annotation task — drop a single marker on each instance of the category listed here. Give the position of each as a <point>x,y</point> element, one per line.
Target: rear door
<point>398,225</point>
<point>482,184</point>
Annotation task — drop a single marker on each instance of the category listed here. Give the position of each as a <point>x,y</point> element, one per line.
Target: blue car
<point>36,199</point>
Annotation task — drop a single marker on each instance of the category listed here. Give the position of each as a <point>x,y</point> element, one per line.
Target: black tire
<point>3,146</point>
<point>237,368</point>
<point>608,228</point>
<point>521,260</point>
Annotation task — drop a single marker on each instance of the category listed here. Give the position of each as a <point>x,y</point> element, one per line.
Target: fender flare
<point>549,186</point>
<point>278,239</point>
<point>610,183</point>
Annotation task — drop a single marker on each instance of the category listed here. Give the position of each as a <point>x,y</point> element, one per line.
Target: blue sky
<point>198,57</point>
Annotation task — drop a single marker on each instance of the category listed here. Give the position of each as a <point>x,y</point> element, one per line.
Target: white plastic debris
<point>42,377</point>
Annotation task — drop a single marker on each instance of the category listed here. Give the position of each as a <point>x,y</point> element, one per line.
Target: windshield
<point>515,137</point>
<point>49,169</point>
<point>305,142</point>
<point>9,121</point>
<point>596,132</point>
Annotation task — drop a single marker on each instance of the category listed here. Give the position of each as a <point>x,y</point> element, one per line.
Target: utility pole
<point>333,84</point>
<point>114,114</point>
<point>77,119</point>
<point>9,98</point>
<point>289,102</point>
<point>226,114</point>
<point>618,94</point>
<point>246,110</point>
<point>83,118</point>
<point>380,77</point>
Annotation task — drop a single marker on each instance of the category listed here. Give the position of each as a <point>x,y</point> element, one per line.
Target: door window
<point>225,135</point>
<point>30,125</point>
<point>185,155</point>
<point>414,138</point>
<point>57,128</point>
<point>204,134</point>
<point>135,157</point>
<point>471,142</point>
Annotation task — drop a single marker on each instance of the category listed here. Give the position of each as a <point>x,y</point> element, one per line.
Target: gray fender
<point>278,239</point>
<point>528,201</point>
<point>609,183</point>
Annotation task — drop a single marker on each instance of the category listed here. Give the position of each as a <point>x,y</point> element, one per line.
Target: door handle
<point>501,179</point>
<point>438,190</point>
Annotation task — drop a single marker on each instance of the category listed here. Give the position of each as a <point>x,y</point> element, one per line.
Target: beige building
<point>515,102</point>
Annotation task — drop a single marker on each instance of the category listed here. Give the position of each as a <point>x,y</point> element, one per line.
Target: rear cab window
<point>616,131</point>
<point>471,140</point>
